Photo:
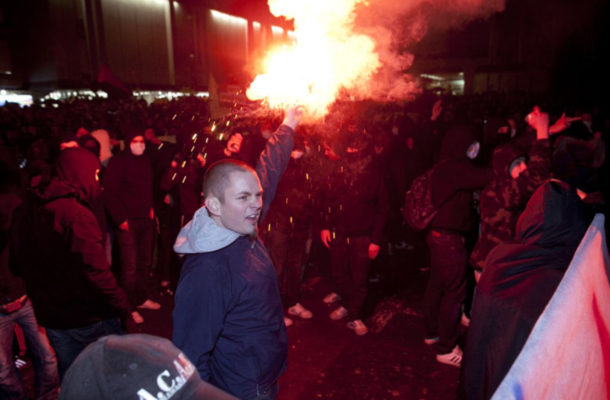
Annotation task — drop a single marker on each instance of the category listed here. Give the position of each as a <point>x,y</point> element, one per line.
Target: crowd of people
<point>92,189</point>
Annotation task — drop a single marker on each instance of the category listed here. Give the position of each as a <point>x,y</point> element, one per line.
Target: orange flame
<point>327,57</point>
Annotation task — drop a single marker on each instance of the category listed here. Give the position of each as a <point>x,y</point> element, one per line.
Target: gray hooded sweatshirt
<point>228,316</point>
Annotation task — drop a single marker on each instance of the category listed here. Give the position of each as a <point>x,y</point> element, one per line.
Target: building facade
<point>147,44</point>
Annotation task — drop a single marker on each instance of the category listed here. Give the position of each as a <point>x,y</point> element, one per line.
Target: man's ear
<point>212,203</point>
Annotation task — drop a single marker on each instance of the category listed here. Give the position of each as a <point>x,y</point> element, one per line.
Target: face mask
<point>473,150</point>
<point>137,148</point>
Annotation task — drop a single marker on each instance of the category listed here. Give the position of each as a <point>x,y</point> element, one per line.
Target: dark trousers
<point>446,290</point>
<point>287,250</point>
<point>68,343</point>
<point>349,267</point>
<point>168,262</point>
<point>135,246</point>
<point>47,380</point>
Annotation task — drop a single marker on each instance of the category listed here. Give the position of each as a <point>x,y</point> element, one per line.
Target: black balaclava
<point>456,142</point>
<point>90,143</point>
<point>79,168</point>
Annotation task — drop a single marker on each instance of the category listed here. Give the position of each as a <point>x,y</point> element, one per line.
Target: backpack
<point>419,210</point>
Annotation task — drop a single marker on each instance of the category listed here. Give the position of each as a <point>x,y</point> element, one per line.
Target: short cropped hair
<point>217,177</point>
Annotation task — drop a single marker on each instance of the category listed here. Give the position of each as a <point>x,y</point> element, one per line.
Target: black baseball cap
<point>136,367</point>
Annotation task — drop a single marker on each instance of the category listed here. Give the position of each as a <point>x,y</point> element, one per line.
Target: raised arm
<point>274,159</point>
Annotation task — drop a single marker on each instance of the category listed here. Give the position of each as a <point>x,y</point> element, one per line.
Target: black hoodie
<point>517,284</point>
<point>454,180</point>
<point>56,247</point>
<point>354,198</point>
<point>128,185</point>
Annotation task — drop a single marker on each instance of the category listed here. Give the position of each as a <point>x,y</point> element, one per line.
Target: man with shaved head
<point>228,315</point>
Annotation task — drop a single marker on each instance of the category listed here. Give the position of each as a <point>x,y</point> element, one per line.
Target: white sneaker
<point>300,311</point>
<point>287,321</point>
<point>358,327</point>
<point>338,313</point>
<point>20,362</point>
<point>150,305</point>
<point>454,358</point>
<point>137,318</point>
<point>331,298</point>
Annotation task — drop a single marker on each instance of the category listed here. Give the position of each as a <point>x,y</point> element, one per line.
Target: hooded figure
<point>354,200</point>
<point>455,178</point>
<point>90,143</point>
<point>128,196</point>
<point>56,246</point>
<point>576,161</point>
<point>128,183</point>
<point>453,181</point>
<point>76,169</point>
<point>505,198</point>
<point>517,284</point>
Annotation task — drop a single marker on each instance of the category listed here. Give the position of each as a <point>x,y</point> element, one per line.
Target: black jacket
<point>354,199</point>
<point>56,247</point>
<point>292,209</point>
<point>454,180</point>
<point>128,187</point>
<point>517,284</point>
<point>186,181</point>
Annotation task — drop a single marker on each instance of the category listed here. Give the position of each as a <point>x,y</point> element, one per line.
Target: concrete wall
<point>136,36</point>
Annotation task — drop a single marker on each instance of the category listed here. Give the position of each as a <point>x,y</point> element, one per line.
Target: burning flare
<point>328,56</point>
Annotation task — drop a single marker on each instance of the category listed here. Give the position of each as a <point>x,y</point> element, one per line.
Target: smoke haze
<point>354,49</point>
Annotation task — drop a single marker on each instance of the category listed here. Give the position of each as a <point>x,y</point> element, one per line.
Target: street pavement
<point>327,360</point>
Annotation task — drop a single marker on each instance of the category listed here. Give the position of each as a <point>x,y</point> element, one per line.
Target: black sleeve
<point>85,239</point>
<point>272,163</point>
<point>471,177</point>
<point>112,186</point>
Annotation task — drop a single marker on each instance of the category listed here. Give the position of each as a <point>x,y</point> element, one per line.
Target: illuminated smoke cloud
<point>353,49</point>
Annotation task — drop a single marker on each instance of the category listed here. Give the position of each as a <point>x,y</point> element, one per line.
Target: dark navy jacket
<point>228,317</point>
